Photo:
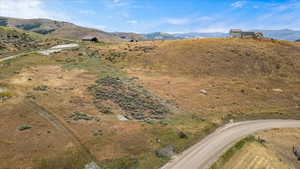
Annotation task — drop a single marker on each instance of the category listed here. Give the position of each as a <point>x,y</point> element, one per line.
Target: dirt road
<point>205,153</point>
<point>14,56</point>
<point>54,49</point>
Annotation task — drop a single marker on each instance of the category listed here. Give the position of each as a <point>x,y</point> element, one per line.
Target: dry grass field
<point>275,153</point>
<point>255,156</point>
<point>218,78</point>
<point>281,142</point>
<point>199,84</point>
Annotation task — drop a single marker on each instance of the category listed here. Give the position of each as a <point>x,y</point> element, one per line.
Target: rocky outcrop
<point>166,152</point>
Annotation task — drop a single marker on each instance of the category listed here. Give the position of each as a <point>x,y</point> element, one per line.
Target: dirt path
<point>54,49</point>
<point>14,56</point>
<point>205,153</point>
<point>59,125</point>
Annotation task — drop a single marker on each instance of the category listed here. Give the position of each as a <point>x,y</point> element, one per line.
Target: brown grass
<point>68,160</point>
<point>254,155</point>
<point>222,58</point>
<point>239,85</point>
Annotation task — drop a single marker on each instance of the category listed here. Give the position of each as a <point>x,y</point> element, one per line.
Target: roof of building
<point>236,30</point>
<point>248,33</point>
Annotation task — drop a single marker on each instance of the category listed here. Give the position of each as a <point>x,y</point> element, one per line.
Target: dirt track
<point>51,118</point>
<point>54,49</point>
<point>14,56</point>
<point>206,152</point>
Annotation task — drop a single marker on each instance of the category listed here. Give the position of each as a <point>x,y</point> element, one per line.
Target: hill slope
<point>13,40</point>
<point>203,83</point>
<point>221,57</point>
<point>56,28</point>
<point>221,78</point>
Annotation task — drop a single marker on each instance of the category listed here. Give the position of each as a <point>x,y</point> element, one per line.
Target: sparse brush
<point>68,160</point>
<point>24,127</point>
<point>5,94</point>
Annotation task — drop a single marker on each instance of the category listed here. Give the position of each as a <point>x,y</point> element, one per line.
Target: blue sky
<point>162,15</point>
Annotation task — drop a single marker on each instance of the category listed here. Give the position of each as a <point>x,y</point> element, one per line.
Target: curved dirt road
<point>205,153</point>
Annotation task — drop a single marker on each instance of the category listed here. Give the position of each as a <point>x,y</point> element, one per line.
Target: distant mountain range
<point>178,36</point>
<point>161,36</point>
<point>72,31</point>
<point>130,36</point>
<point>284,34</point>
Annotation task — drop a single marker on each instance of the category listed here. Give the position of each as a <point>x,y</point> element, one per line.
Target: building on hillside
<point>248,35</point>
<point>90,39</point>
<point>235,33</point>
<point>238,33</point>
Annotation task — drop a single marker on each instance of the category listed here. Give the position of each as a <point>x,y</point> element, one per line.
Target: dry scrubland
<point>240,78</point>
<point>14,41</point>
<point>275,152</point>
<point>174,92</point>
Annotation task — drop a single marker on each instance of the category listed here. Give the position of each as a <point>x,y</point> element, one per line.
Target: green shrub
<point>24,127</point>
<point>5,95</point>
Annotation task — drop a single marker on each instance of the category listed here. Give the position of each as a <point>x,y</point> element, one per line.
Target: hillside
<point>221,78</point>
<point>15,41</point>
<point>221,57</point>
<point>122,104</point>
<point>56,28</point>
<point>12,40</point>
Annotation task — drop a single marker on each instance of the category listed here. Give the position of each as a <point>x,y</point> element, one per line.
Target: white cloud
<point>238,4</point>
<point>27,9</point>
<point>119,3</point>
<point>132,22</point>
<point>177,21</point>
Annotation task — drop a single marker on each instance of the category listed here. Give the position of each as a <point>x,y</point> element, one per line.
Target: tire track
<point>59,125</point>
<point>15,56</point>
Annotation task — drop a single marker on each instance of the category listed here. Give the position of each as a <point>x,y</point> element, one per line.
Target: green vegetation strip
<point>230,153</point>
